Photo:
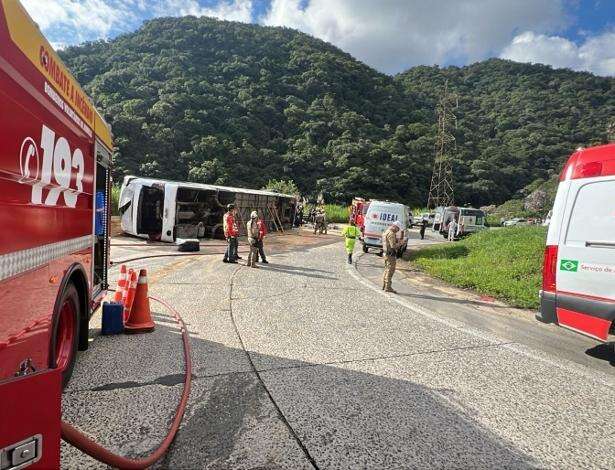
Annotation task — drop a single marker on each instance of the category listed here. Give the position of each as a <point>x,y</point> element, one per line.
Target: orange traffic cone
<point>127,286</point>
<point>121,284</point>
<point>130,292</point>
<point>140,320</point>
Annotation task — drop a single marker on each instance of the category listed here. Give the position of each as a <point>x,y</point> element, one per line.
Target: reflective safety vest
<point>351,232</point>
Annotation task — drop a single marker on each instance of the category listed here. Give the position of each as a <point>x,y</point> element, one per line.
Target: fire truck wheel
<point>65,333</point>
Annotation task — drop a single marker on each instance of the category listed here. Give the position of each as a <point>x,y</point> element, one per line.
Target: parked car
<point>412,221</point>
<point>469,220</point>
<point>578,285</point>
<point>380,215</point>
<point>428,217</point>
<point>515,221</point>
<point>437,218</point>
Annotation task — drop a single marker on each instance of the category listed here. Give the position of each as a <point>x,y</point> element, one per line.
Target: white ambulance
<point>578,287</point>
<point>380,216</point>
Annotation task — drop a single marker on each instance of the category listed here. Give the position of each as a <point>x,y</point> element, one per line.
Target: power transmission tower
<point>441,188</point>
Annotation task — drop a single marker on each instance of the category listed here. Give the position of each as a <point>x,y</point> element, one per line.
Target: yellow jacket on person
<point>351,234</point>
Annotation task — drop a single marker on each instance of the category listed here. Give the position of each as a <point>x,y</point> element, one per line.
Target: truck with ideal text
<point>55,157</point>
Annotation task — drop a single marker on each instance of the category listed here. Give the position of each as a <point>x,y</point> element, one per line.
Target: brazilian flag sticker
<point>569,265</point>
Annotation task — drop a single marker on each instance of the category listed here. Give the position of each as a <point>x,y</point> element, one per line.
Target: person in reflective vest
<point>351,233</point>
<point>262,231</point>
<point>231,232</point>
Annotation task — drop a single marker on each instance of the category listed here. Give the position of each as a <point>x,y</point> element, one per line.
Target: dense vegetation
<point>516,123</point>
<point>504,263</point>
<point>237,104</point>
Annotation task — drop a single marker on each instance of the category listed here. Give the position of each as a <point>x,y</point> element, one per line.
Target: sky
<point>389,35</point>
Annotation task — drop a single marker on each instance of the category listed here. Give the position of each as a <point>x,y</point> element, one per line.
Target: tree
<point>239,104</point>
<point>281,186</point>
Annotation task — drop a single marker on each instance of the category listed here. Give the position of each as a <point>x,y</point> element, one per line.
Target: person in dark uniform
<point>422,229</point>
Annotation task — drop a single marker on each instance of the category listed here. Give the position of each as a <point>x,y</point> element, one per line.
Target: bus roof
<point>28,38</point>
<point>207,187</point>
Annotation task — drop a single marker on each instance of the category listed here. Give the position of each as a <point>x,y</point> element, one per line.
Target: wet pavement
<point>306,363</point>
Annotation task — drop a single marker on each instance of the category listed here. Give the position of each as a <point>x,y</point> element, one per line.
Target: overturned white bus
<point>166,210</point>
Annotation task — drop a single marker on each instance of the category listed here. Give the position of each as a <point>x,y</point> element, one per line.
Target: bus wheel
<point>65,333</point>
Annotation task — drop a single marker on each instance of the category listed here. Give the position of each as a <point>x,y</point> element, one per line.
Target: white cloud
<point>58,46</point>
<point>72,21</point>
<point>83,17</point>
<point>392,35</point>
<point>230,10</point>
<point>596,54</point>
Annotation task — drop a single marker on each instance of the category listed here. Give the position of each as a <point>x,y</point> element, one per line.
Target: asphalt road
<point>305,363</point>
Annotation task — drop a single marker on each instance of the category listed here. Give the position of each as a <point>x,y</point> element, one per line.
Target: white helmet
<point>397,223</point>
<point>254,215</point>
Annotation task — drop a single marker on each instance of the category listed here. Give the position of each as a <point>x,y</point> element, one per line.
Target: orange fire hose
<point>73,436</point>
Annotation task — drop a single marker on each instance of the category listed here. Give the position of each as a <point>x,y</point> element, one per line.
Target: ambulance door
<point>586,255</point>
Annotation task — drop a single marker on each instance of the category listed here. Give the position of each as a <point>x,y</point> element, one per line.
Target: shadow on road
<point>605,352</point>
<point>345,417</point>
<point>298,271</point>
<point>453,300</point>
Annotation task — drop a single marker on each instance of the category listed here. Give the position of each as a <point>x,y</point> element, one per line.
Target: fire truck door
<point>102,213</point>
<point>30,407</point>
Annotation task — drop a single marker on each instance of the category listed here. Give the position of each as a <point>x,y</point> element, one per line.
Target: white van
<point>381,215</point>
<point>578,286</point>
<point>469,220</point>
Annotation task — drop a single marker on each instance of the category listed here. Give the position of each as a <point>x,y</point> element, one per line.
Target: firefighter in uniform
<point>390,246</point>
<point>350,234</point>
<point>262,231</point>
<point>320,222</point>
<point>253,234</point>
<point>231,232</point>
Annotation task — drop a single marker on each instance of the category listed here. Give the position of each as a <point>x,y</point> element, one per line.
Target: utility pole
<point>441,188</point>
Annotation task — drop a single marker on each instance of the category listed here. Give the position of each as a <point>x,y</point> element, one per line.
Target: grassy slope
<point>506,263</point>
<point>336,213</point>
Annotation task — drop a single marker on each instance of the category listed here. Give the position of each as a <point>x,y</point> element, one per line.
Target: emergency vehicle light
<point>549,269</point>
<point>587,170</point>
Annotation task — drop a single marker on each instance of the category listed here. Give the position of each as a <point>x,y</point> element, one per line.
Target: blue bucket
<point>112,318</point>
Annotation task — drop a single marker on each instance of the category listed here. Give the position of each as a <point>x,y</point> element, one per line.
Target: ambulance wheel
<point>65,333</point>
<point>365,248</point>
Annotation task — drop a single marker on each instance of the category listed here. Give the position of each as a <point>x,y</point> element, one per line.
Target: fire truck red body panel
<point>38,423</point>
<point>28,289</point>
<point>54,158</point>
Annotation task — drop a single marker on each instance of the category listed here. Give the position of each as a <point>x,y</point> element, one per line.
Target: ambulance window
<point>593,214</point>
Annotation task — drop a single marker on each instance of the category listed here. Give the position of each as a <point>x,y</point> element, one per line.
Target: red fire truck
<point>55,156</point>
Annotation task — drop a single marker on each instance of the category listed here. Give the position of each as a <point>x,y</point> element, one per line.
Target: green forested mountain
<point>237,104</point>
<point>516,123</point>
